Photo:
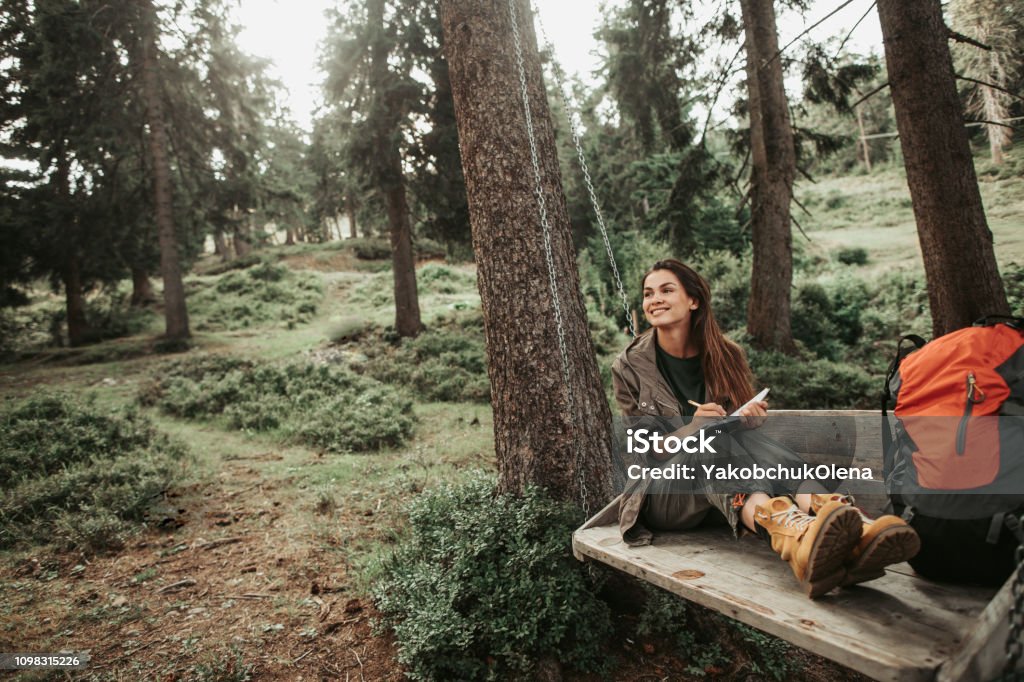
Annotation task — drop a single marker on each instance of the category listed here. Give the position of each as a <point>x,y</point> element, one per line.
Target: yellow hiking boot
<point>884,541</point>
<point>816,547</point>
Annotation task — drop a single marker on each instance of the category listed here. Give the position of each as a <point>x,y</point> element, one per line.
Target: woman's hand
<point>710,410</point>
<point>753,416</point>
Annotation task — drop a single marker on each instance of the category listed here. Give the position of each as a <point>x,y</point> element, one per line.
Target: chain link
<point>1014,643</point>
<point>549,256</point>
<point>570,112</point>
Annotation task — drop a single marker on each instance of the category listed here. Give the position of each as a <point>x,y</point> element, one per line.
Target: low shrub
<point>73,472</point>
<point>852,256</point>
<point>707,640</point>
<point>484,586</point>
<point>446,363</point>
<point>441,279</point>
<point>806,382</point>
<point>329,408</point>
<point>370,248</point>
<point>262,294</point>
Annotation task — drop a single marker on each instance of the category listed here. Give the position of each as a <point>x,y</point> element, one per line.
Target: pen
<point>695,404</point>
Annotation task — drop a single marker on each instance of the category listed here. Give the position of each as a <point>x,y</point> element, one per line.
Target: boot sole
<point>837,537</point>
<point>892,546</point>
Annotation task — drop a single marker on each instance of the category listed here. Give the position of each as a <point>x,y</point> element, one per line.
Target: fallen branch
<point>219,543</point>
<point>174,587</point>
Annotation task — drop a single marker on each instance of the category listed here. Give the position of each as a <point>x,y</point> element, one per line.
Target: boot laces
<point>794,518</point>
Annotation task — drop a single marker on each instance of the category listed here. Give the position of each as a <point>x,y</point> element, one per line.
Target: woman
<point>685,367</point>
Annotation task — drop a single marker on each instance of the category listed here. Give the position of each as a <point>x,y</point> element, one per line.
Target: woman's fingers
<point>754,415</point>
<point>710,410</point>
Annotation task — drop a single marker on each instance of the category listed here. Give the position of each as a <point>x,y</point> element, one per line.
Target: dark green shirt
<point>686,378</point>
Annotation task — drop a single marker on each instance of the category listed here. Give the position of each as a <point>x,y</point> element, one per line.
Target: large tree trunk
<point>220,245</point>
<point>175,312</point>
<point>773,167</point>
<point>71,275</point>
<point>78,329</point>
<point>403,264</point>
<point>240,234</point>
<point>391,180</point>
<point>142,288</point>
<point>956,244</point>
<point>537,437</point>
<point>350,207</point>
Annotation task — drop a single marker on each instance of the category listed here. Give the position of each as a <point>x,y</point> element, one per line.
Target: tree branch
<point>805,32</point>
<point>989,85</point>
<point>881,87</point>
<point>854,28</point>
<point>795,222</point>
<point>961,38</point>
<point>726,73</point>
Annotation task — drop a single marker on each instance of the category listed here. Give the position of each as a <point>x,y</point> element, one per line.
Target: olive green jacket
<point>641,391</point>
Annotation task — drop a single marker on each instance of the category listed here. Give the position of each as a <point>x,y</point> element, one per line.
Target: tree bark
<point>71,274</point>
<point>956,243</point>
<point>537,437</point>
<point>289,236</point>
<point>773,168</point>
<point>175,312</point>
<point>240,233</point>
<point>350,207</point>
<point>142,289</point>
<point>391,179</point>
<point>403,264</point>
<point>78,328</point>
<point>220,245</point>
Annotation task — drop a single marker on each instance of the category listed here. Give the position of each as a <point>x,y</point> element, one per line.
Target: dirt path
<point>238,579</point>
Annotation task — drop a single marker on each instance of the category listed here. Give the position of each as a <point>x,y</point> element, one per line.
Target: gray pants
<point>670,505</point>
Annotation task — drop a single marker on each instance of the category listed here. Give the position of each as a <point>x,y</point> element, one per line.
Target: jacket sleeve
<point>626,390</point>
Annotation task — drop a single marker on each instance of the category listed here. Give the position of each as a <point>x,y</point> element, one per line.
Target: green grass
<point>874,212</point>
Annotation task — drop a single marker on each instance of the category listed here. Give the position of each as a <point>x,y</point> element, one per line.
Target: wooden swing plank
<point>898,627</point>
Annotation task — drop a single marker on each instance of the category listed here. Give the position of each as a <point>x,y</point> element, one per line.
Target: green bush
<point>370,248</point>
<point>729,278</point>
<point>484,586</point>
<point>446,363</point>
<point>262,294</point>
<point>1013,280</point>
<point>698,636</point>
<point>441,279</point>
<point>852,256</point>
<point>327,407</point>
<point>78,474</point>
<point>666,616</point>
<point>808,383</point>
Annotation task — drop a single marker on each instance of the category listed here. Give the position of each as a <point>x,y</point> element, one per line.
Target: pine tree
<point>956,243</point>
<point>542,435</point>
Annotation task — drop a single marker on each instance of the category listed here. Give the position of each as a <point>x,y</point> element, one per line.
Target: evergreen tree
<point>549,429</point>
<point>379,97</point>
<point>956,243</point>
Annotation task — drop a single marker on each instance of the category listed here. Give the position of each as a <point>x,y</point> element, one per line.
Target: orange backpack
<point>958,449</point>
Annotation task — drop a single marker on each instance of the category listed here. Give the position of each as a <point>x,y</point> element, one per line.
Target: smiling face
<point>665,300</point>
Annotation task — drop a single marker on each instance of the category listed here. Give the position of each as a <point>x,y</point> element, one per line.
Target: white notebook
<point>756,399</point>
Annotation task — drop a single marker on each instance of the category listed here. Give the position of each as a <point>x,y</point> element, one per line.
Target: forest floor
<point>259,565</point>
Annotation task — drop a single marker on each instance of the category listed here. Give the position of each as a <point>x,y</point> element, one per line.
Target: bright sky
<point>289,32</point>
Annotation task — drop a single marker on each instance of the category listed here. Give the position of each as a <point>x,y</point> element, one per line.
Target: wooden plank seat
<point>899,627</point>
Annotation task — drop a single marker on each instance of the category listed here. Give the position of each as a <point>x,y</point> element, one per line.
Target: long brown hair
<point>726,372</point>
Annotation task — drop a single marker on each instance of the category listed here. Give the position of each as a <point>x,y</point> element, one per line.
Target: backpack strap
<point>887,455</point>
<point>1009,320</point>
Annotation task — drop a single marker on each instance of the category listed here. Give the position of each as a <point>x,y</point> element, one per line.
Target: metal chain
<point>1014,643</point>
<point>549,255</point>
<point>570,112</point>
